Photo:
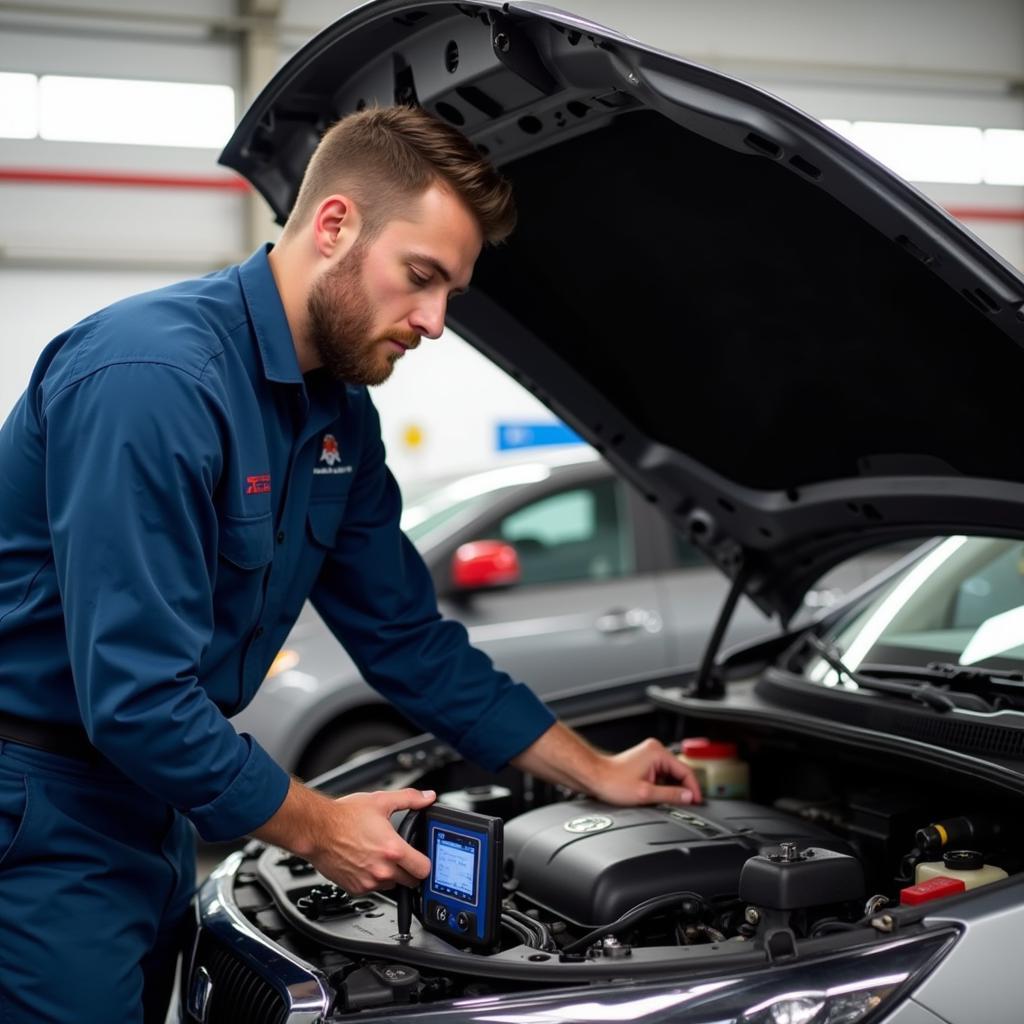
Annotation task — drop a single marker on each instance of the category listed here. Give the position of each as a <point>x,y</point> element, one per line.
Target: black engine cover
<point>589,862</point>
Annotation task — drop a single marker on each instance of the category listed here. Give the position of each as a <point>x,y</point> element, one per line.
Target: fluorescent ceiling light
<point>1004,157</point>
<point>182,114</point>
<point>940,153</point>
<point>844,128</point>
<point>135,112</point>
<point>924,152</point>
<point>19,106</point>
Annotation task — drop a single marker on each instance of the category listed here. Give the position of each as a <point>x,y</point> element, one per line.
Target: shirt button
<point>280,536</point>
<point>259,629</point>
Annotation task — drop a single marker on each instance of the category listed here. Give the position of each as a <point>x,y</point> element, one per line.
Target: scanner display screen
<point>456,865</point>
<point>461,897</point>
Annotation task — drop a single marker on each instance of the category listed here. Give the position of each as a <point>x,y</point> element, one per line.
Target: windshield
<point>430,508</point>
<point>426,517</point>
<point>962,603</point>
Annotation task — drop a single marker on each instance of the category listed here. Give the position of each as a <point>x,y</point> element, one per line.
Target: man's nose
<point>428,318</point>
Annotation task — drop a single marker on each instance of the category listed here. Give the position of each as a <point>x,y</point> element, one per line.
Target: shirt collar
<point>273,335</point>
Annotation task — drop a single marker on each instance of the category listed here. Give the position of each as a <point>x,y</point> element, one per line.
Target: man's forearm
<point>294,825</point>
<point>562,756</point>
<point>644,774</point>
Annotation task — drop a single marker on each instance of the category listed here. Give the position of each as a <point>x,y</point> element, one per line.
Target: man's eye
<point>418,279</point>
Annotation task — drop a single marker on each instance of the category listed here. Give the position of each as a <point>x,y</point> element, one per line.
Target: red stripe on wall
<point>223,183</point>
<point>45,176</point>
<point>986,213</point>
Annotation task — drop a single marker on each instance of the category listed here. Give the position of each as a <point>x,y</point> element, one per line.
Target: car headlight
<point>845,988</point>
<point>825,1007</point>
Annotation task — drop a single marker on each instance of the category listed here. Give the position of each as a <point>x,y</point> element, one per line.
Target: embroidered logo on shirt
<point>258,484</point>
<point>331,454</point>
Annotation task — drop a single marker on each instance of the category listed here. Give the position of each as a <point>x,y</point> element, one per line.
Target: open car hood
<point>783,344</point>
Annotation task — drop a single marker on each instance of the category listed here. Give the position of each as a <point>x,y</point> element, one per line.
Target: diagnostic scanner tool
<point>461,897</point>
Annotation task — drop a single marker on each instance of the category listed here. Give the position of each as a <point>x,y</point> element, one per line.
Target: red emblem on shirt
<point>329,453</point>
<point>258,484</point>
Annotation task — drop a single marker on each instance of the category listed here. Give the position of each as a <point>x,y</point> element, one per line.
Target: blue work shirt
<point>171,490</point>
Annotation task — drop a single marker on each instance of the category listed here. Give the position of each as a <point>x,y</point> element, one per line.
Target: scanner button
<point>464,921</point>
<point>439,912</point>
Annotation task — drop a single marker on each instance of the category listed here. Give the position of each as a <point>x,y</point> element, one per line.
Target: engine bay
<point>827,853</point>
<point>586,862</point>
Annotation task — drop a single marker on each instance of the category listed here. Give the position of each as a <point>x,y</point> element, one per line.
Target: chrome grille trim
<point>301,986</point>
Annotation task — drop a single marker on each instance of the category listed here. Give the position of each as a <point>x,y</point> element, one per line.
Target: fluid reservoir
<point>967,865</point>
<point>719,770</point>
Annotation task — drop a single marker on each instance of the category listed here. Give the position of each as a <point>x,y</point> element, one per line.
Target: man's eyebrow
<point>439,267</point>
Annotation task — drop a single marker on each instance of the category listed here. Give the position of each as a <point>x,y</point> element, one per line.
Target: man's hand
<point>645,774</point>
<point>350,840</point>
<point>634,777</point>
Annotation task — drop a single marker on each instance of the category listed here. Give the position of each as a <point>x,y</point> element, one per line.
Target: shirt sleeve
<point>377,597</point>
<point>133,456</point>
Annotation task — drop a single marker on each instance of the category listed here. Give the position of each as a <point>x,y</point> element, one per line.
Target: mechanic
<point>185,468</point>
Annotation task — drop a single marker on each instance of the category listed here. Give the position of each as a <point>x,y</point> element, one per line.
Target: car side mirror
<point>484,565</point>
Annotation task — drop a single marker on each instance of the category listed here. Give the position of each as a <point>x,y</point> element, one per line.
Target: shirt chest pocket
<point>246,543</point>
<point>327,503</point>
<point>324,521</point>
<point>245,548</point>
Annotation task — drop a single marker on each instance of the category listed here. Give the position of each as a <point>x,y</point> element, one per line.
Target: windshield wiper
<point>935,697</point>
<point>1009,678</point>
<point>978,680</point>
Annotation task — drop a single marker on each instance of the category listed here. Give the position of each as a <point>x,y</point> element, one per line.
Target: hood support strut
<point>708,682</point>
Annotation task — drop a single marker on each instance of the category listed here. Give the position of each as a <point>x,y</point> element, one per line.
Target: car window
<point>995,587</point>
<point>577,534</point>
<point>432,506</point>
<point>422,519</point>
<point>961,602</point>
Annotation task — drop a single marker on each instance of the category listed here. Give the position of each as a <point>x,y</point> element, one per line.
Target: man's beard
<point>340,321</point>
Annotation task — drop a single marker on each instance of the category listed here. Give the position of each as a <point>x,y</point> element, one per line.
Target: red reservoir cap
<point>934,889</point>
<point>708,750</point>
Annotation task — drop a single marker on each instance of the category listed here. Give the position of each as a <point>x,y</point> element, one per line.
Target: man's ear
<point>336,226</point>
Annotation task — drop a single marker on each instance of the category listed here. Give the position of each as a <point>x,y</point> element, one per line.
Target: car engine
<point>589,893</point>
<point>585,885</point>
<point>584,862</point>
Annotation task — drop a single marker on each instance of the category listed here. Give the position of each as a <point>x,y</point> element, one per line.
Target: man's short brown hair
<point>386,157</point>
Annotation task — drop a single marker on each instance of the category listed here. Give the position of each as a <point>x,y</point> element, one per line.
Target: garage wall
<point>68,249</point>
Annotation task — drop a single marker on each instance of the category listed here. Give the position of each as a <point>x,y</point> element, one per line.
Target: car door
<point>582,613</point>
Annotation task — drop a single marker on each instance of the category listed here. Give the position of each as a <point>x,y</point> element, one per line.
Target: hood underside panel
<point>750,321</point>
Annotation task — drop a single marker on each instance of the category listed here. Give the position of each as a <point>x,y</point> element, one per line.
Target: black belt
<point>69,740</point>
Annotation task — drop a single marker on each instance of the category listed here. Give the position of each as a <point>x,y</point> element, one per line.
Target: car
<point>563,574</point>
<point>796,357</point>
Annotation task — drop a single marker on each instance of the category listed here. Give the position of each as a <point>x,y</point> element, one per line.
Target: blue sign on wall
<point>534,435</point>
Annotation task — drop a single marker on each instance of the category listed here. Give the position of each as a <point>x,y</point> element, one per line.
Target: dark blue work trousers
<point>95,881</point>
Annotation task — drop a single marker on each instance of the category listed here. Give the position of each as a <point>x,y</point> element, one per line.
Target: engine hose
<point>703,932</point>
<point>524,934</point>
<point>630,917</point>
<point>539,928</point>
